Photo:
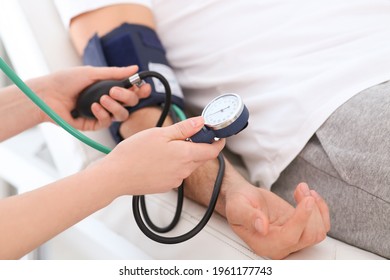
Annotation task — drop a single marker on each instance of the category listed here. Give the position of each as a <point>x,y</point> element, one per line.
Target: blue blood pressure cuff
<point>132,44</point>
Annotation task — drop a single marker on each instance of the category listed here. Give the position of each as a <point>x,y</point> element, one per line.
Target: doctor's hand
<point>157,160</point>
<point>270,225</point>
<point>61,89</point>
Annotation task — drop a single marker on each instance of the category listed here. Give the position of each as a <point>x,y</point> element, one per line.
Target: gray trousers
<point>347,162</point>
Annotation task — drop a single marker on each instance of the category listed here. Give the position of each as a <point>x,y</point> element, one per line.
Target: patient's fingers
<point>295,227</point>
<point>301,191</point>
<point>306,225</point>
<point>103,117</point>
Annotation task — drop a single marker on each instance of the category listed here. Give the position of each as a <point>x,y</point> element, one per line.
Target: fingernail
<point>103,99</point>
<point>97,108</point>
<point>259,225</point>
<point>305,189</point>
<point>309,204</point>
<point>116,92</point>
<point>113,93</point>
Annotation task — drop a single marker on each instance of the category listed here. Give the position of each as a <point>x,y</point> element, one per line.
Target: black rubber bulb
<point>93,93</point>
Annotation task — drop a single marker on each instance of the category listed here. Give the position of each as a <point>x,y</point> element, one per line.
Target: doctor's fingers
<point>103,117</point>
<point>201,152</point>
<point>110,72</point>
<point>120,97</point>
<point>118,112</point>
<point>130,97</point>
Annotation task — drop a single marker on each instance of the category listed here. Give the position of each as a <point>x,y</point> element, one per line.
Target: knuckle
<point>122,115</point>
<point>176,182</point>
<point>132,99</point>
<point>180,129</point>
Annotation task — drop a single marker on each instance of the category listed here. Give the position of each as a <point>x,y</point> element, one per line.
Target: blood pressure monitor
<point>224,116</point>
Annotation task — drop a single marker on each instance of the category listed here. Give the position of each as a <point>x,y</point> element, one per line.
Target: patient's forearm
<point>199,186</point>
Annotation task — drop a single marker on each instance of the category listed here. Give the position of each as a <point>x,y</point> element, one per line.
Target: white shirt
<point>293,63</point>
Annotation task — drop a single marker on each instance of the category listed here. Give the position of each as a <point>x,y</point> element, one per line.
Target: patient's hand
<point>271,226</point>
<point>266,222</point>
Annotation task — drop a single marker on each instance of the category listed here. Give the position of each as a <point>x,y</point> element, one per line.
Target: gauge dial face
<point>223,110</point>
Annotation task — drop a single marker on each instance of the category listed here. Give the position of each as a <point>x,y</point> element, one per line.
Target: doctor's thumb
<point>185,129</point>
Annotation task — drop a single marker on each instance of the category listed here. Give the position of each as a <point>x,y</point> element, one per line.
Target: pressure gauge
<point>224,116</point>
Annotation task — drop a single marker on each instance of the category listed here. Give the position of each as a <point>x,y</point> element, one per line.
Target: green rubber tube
<point>54,116</point>
<point>45,108</point>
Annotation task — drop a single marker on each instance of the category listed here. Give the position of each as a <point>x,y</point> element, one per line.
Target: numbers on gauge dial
<point>222,109</point>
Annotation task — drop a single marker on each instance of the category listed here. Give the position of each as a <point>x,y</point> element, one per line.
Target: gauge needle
<point>219,111</point>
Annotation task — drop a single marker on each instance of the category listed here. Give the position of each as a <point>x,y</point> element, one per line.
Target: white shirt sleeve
<point>68,9</point>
